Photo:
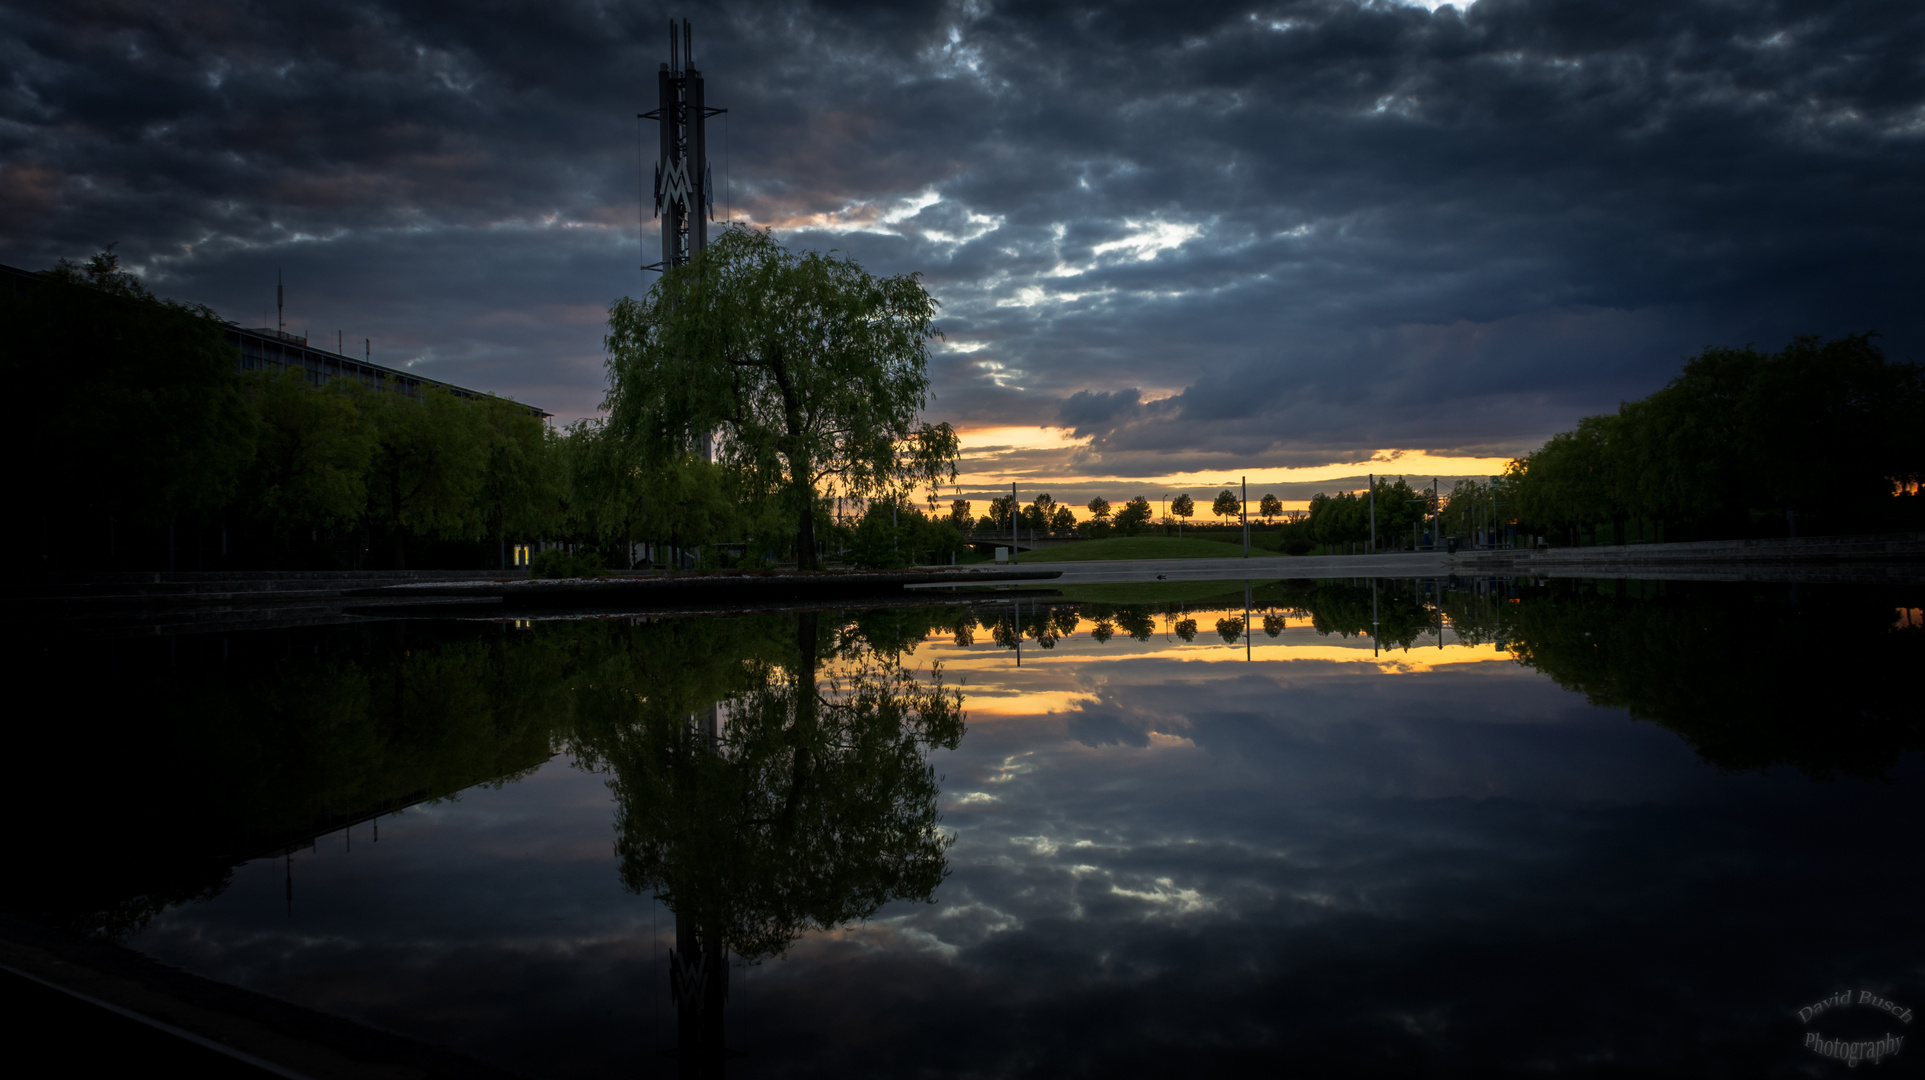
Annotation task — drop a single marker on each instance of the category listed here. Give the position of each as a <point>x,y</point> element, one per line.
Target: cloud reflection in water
<point>1170,860</point>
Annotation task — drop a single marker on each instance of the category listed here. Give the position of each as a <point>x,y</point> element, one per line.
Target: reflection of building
<point>276,350</point>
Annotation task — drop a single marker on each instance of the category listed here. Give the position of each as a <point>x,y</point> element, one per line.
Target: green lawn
<point>1141,547</point>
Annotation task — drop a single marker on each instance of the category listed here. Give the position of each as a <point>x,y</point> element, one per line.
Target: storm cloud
<point>1199,236</point>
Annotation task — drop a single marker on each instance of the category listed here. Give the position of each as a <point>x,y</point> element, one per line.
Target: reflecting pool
<point>1341,828</point>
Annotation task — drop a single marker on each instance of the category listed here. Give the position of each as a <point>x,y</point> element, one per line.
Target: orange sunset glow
<point>1051,459</point>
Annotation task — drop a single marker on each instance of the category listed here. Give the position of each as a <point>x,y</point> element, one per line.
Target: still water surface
<point>1626,828</point>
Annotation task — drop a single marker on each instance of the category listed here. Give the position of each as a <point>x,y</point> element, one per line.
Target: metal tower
<point>684,191</point>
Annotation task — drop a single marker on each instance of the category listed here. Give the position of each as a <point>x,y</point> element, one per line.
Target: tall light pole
<point>1497,517</point>
<point>1436,525</point>
<point>1244,509</point>
<point>1373,514</point>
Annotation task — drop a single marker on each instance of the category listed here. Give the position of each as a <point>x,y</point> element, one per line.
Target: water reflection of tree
<point>197,753</point>
<point>1401,616</point>
<point>1041,621</point>
<point>1394,612</point>
<point>193,754</point>
<point>1752,677</point>
<point>769,795</point>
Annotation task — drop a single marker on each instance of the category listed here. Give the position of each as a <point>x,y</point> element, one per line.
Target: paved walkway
<point>1256,568</point>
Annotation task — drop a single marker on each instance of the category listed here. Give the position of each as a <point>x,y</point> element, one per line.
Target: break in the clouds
<point>1200,236</point>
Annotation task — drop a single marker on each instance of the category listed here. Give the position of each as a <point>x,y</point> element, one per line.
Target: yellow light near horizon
<point>993,443</point>
<point>1017,438</point>
<point>1065,674</point>
<point>982,663</point>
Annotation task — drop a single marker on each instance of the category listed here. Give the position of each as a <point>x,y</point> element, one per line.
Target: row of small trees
<point>1045,514</point>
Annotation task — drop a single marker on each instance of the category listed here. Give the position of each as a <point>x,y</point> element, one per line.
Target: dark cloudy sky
<point>1196,237</point>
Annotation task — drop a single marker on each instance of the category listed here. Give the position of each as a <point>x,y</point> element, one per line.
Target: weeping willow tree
<point>803,371</point>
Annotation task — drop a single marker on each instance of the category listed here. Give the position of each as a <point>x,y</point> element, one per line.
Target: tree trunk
<point>805,536</point>
<point>805,525</point>
<point>394,504</point>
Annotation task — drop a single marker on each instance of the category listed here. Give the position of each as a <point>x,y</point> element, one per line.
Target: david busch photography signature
<point>1853,1051</point>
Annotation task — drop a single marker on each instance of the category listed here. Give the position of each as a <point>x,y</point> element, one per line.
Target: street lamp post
<point>1014,538</point>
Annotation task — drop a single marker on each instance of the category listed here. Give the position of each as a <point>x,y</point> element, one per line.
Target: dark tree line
<point>151,450</point>
<point>1817,437</point>
<point>265,739</point>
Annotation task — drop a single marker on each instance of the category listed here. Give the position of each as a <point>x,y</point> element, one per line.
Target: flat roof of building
<point>281,348</point>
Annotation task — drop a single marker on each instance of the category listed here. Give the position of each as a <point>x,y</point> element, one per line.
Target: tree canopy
<point>1226,504</point>
<point>135,411</point>
<point>1819,429</point>
<point>1135,514</point>
<point>808,372</point>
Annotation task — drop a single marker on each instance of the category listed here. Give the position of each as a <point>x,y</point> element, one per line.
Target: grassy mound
<point>1142,547</point>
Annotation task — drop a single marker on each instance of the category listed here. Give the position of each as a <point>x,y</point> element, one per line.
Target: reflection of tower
<point>684,193</point>
<point>698,969</point>
<point>698,979</point>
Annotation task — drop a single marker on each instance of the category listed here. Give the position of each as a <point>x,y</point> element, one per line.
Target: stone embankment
<point>120,604</point>
<point>161,602</point>
<point>1893,557</point>
<point>751,589</point>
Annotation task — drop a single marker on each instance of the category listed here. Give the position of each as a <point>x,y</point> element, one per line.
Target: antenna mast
<point>684,190</point>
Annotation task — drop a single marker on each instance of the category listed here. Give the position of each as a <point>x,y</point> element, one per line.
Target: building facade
<point>276,350</point>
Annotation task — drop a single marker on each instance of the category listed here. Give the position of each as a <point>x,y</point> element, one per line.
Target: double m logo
<point>673,187</point>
